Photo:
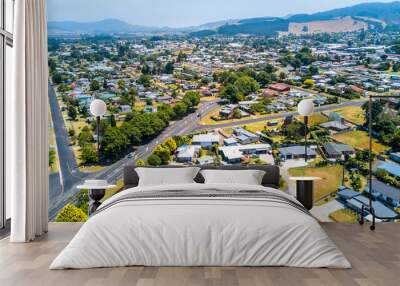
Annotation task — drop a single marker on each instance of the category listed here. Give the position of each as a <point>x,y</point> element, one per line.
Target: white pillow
<point>166,176</point>
<point>243,177</point>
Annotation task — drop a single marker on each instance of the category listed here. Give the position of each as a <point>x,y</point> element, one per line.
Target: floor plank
<point>375,257</point>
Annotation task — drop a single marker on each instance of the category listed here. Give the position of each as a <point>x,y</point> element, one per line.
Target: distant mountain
<point>103,26</point>
<point>361,16</point>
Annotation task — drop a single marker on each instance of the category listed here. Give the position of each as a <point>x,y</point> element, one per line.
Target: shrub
<point>154,160</point>
<point>71,213</point>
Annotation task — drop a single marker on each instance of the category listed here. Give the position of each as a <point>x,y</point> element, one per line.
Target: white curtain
<point>27,123</point>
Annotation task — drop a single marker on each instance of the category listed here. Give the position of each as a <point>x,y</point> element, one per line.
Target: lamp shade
<point>98,107</point>
<point>306,107</point>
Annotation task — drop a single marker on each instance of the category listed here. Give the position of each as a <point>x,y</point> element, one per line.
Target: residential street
<point>71,176</point>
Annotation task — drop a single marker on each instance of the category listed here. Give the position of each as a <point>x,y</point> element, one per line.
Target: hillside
<point>361,16</point>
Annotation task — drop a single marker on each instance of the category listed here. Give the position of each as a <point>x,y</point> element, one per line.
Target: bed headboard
<point>271,177</point>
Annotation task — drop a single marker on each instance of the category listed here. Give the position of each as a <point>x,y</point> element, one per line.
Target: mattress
<point>201,225</point>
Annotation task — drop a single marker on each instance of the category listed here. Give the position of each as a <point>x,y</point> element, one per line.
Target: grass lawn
<point>344,215</point>
<point>262,125</point>
<point>315,119</point>
<point>52,145</point>
<point>208,98</point>
<point>352,113</point>
<point>331,178</point>
<point>113,191</point>
<point>207,120</point>
<point>360,140</point>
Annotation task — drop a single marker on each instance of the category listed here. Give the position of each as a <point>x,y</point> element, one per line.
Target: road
<point>71,176</point>
<point>279,115</point>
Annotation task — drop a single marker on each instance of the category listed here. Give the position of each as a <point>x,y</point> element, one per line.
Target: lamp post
<point>306,108</point>
<point>98,108</point>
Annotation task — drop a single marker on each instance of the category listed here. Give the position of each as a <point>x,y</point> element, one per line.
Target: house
<point>280,87</point>
<point>335,126</point>
<point>395,157</point>
<point>245,137</point>
<point>270,93</point>
<point>336,150</point>
<point>125,108</point>
<point>205,140</point>
<point>205,160</point>
<point>385,193</point>
<point>381,211</point>
<point>234,154</point>
<point>186,153</point>
<point>296,152</point>
<point>230,141</point>
<point>392,169</point>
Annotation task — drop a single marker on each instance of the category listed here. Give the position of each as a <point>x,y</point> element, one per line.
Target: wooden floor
<point>375,257</point>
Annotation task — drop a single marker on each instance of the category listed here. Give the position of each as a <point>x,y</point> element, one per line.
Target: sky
<point>184,13</point>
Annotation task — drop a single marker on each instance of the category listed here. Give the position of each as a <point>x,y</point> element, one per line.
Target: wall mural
<point>224,92</point>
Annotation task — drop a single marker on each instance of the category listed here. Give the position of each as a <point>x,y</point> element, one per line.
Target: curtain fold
<point>26,130</point>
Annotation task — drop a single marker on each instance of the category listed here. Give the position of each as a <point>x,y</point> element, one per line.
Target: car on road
<point>130,155</point>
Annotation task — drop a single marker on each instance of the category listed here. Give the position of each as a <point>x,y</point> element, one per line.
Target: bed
<point>201,224</point>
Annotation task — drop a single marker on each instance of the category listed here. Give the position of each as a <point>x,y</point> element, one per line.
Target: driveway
<point>322,212</point>
<point>286,165</point>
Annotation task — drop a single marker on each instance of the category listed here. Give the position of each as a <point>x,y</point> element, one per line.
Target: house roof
<point>347,193</point>
<point>380,209</point>
<point>392,169</point>
<point>385,189</point>
<point>337,149</point>
<point>201,138</point>
<point>296,150</point>
<point>334,124</point>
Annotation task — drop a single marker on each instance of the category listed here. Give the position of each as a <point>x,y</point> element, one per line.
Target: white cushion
<point>166,176</point>
<point>244,177</point>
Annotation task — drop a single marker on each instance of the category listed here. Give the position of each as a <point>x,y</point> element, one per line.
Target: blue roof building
<point>381,211</point>
<point>392,169</point>
<point>385,193</point>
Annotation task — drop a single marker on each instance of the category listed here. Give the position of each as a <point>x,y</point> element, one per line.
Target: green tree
<point>180,109</point>
<point>121,84</point>
<point>144,80</point>
<point>263,78</point>
<point>88,154</point>
<point>140,163</point>
<point>132,132</point>
<point>52,157</point>
<point>163,152</point>
<point>169,68</point>
<point>154,160</point>
<point>72,113</point>
<point>247,85</point>
<point>171,145</point>
<point>231,93</point>
<point>71,213</point>
<point>94,85</point>
<point>191,98</point>
<point>114,142</point>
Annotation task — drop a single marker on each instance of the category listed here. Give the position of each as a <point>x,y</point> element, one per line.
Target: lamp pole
<point>305,136</point>
<point>306,108</point>
<point>98,108</point>
<point>98,135</point>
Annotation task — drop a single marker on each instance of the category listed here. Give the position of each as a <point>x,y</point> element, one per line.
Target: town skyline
<point>179,14</point>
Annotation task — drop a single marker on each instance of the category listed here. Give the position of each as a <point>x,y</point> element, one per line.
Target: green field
<point>352,113</point>
<point>331,178</point>
<point>360,140</point>
<point>344,215</point>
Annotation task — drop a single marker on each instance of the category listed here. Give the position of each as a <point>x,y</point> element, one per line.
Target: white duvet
<point>200,232</point>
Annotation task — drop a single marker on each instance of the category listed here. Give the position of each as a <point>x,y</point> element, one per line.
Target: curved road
<point>71,176</point>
